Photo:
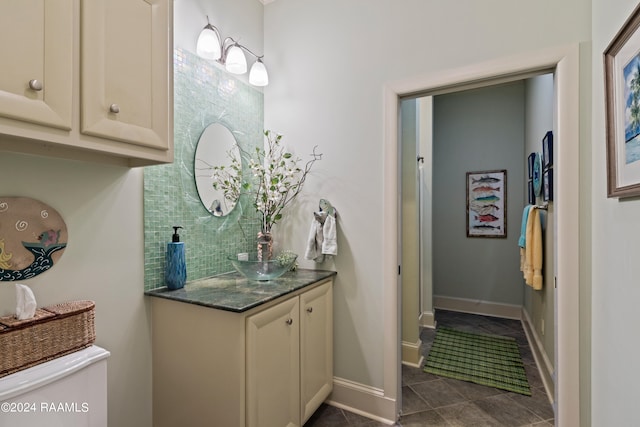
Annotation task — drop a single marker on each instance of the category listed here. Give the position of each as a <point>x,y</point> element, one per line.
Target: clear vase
<point>265,246</point>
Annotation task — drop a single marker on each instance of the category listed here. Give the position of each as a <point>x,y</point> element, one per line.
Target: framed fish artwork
<point>487,203</point>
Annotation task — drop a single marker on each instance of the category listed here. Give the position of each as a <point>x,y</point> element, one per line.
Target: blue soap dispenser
<point>176,268</point>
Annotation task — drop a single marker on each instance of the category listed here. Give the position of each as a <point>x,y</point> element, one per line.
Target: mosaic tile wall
<point>203,94</point>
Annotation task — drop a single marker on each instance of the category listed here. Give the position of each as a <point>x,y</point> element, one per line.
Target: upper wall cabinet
<point>36,47</point>
<point>87,79</point>
<point>124,70</point>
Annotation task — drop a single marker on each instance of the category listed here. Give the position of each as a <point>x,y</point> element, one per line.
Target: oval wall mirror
<point>217,148</point>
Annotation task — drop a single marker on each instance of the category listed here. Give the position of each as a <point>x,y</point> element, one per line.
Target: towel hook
<point>325,206</point>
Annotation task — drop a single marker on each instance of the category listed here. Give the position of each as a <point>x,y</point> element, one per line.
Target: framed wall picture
<point>537,175</point>
<point>547,187</point>
<point>487,203</point>
<point>532,195</point>
<point>530,162</point>
<point>622,107</point>
<point>547,150</point>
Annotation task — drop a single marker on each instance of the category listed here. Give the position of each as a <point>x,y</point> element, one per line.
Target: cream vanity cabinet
<point>271,366</point>
<point>87,79</point>
<point>289,367</point>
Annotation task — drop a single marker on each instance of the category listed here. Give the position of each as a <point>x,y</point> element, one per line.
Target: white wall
<point>103,262</point>
<point>410,229</point>
<point>616,232</point>
<point>539,119</point>
<point>425,111</point>
<point>240,19</point>
<point>329,62</point>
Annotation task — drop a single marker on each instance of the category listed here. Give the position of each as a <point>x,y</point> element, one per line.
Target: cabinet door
<point>37,46</point>
<point>316,347</point>
<point>125,70</point>
<point>273,366</point>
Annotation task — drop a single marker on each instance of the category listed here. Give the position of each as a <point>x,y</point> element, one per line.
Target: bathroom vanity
<point>231,352</point>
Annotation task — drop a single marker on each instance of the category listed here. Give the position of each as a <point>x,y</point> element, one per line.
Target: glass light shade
<point>236,63</point>
<point>208,45</point>
<point>258,75</point>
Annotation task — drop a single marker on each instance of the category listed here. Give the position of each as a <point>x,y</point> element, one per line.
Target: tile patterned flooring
<point>429,400</point>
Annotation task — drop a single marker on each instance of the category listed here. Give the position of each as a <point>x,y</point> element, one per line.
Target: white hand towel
<point>26,302</point>
<point>330,243</point>
<point>314,242</point>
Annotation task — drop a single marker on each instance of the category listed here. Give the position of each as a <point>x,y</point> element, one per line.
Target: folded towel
<point>522,241</point>
<point>533,251</point>
<point>314,242</point>
<point>537,253</point>
<point>322,239</point>
<point>330,242</point>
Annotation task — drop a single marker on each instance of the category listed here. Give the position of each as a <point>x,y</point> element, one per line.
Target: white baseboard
<point>411,355</point>
<point>487,308</point>
<point>428,319</point>
<point>363,400</point>
<point>545,367</point>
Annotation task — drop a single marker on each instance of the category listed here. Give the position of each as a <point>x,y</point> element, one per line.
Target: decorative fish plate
<point>33,237</point>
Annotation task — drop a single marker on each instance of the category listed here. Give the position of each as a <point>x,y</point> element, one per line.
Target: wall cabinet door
<point>316,348</point>
<point>36,47</point>
<point>273,366</point>
<point>124,74</point>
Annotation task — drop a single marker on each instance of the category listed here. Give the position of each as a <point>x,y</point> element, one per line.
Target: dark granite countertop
<point>233,292</point>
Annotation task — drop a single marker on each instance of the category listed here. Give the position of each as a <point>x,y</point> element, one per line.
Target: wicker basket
<point>53,332</point>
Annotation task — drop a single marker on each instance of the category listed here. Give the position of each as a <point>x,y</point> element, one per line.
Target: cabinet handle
<point>289,322</point>
<point>310,310</point>
<point>35,85</point>
<point>114,108</point>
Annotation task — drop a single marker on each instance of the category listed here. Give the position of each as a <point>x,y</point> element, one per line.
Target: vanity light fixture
<point>230,53</point>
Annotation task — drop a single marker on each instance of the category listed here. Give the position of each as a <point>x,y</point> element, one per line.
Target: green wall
<point>203,94</point>
<point>477,130</point>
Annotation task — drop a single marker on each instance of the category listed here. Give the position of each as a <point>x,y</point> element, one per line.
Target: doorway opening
<point>442,139</point>
<point>564,63</point>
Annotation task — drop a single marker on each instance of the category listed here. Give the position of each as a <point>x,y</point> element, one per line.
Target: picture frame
<point>532,195</point>
<point>547,186</point>
<point>487,203</point>
<point>547,150</point>
<point>622,75</point>
<point>530,163</point>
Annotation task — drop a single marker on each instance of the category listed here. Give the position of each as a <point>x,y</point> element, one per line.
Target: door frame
<point>564,62</point>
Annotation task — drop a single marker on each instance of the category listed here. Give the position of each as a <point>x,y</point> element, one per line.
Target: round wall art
<point>537,175</point>
<point>33,237</point>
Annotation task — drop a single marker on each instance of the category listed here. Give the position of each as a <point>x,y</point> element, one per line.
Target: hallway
<point>429,400</point>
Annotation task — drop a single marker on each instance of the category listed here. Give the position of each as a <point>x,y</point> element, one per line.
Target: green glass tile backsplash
<point>203,94</point>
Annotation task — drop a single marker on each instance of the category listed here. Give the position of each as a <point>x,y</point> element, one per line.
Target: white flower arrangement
<point>277,179</point>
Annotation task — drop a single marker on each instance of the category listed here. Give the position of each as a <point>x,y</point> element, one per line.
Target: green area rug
<point>483,359</point>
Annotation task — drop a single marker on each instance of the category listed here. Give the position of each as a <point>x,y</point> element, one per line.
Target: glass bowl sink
<point>253,269</point>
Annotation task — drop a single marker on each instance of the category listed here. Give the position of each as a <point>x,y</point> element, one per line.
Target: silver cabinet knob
<point>310,310</point>
<point>289,321</point>
<point>114,108</point>
<point>35,85</point>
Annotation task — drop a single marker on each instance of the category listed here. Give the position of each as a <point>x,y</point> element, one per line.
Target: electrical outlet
<point>542,326</point>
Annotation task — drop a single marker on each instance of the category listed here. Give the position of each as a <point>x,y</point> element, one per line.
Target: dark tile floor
<point>429,400</point>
